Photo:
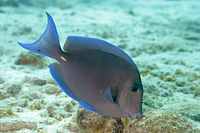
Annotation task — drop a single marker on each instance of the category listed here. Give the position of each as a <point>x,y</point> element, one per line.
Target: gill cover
<point>130,102</point>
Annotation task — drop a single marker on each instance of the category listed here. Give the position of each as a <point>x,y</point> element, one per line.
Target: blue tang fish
<point>95,73</point>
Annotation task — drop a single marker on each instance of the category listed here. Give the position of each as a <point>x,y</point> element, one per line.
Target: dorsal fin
<point>78,43</point>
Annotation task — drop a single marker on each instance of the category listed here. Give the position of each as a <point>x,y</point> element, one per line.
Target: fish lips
<point>133,110</point>
<point>136,115</point>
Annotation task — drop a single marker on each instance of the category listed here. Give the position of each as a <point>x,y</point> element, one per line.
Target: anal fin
<point>87,106</point>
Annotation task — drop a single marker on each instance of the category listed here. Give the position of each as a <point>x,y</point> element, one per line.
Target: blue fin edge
<point>57,75</point>
<point>87,106</point>
<point>47,42</point>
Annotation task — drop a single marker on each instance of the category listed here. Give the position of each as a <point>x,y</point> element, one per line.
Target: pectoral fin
<point>111,94</point>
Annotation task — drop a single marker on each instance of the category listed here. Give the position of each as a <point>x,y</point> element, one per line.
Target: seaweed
<point>35,107</point>
<point>7,113</point>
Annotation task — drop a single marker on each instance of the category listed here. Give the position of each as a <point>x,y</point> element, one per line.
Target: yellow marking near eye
<point>63,58</point>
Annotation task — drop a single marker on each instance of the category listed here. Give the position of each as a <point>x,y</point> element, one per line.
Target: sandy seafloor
<point>162,38</point>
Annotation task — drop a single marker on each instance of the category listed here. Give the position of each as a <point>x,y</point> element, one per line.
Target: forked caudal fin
<point>48,43</point>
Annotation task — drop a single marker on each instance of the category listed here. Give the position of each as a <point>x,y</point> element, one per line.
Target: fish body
<point>97,74</point>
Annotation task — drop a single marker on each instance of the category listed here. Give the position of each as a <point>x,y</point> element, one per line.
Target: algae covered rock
<point>89,122</point>
<point>26,58</point>
<point>14,89</point>
<point>161,122</point>
<point>14,125</point>
<point>157,121</point>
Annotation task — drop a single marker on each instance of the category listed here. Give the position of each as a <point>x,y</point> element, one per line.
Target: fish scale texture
<point>76,43</point>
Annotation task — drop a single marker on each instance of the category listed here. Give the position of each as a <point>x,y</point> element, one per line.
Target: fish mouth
<point>136,115</point>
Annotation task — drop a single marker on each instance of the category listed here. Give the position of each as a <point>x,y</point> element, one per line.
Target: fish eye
<point>134,88</point>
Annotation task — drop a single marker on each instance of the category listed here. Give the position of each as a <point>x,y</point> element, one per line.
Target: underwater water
<point>161,37</point>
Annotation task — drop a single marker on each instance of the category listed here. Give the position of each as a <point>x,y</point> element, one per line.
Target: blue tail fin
<point>48,44</point>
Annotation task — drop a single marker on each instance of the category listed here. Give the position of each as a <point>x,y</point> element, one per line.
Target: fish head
<point>130,99</point>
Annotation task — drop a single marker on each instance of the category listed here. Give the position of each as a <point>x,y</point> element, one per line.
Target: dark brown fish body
<point>98,70</point>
